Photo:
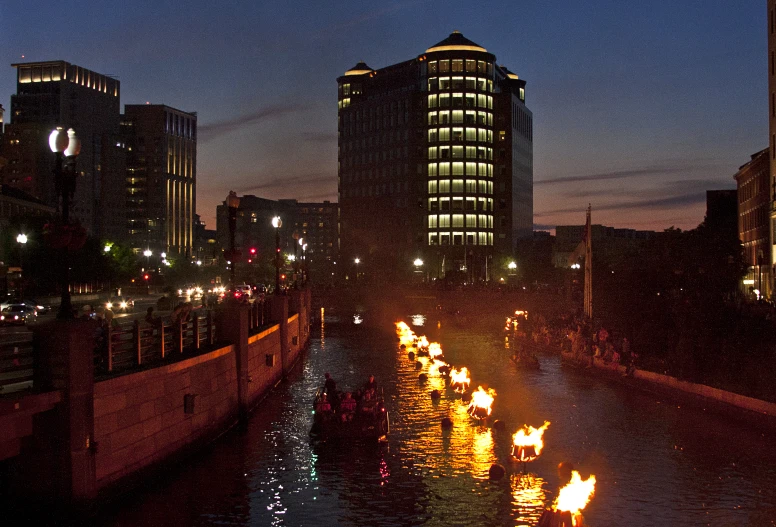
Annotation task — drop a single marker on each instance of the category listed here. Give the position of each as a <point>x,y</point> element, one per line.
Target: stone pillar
<point>280,315</point>
<point>232,326</point>
<point>63,353</point>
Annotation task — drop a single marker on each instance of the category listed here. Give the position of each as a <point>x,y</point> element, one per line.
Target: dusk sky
<point>639,107</point>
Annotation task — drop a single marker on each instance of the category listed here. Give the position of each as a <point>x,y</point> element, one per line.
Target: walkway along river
<point>656,462</point>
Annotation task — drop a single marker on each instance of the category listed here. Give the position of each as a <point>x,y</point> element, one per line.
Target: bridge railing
<point>16,362</point>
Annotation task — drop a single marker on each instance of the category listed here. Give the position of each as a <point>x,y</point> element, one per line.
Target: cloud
<point>650,170</point>
<point>653,203</point>
<point>675,186</point>
<point>282,181</point>
<point>210,131</point>
<point>319,137</point>
<point>366,17</point>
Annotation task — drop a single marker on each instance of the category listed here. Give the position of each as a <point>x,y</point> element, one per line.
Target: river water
<point>657,462</point>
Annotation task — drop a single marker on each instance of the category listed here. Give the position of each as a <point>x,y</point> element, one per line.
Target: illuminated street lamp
<point>106,248</point>
<point>66,146</point>
<point>358,261</point>
<point>22,240</point>
<point>232,204</point>
<point>277,223</point>
<point>418,262</point>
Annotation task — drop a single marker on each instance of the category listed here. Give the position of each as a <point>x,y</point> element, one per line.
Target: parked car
<point>119,304</point>
<point>18,314</point>
<point>244,289</point>
<point>37,306</point>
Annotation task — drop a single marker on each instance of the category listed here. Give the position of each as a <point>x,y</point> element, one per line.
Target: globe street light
<point>277,223</point>
<point>66,146</point>
<point>22,239</point>
<point>358,261</point>
<point>302,263</point>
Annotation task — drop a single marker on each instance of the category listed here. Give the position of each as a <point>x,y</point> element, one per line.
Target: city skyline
<point>630,110</point>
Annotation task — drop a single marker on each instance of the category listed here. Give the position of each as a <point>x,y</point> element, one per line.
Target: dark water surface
<point>657,463</point>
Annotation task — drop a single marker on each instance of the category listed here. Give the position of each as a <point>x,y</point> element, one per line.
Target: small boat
<point>369,421</point>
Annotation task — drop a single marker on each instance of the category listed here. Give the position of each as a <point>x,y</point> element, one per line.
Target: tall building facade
<point>753,197</point>
<point>58,93</point>
<point>771,26</point>
<point>435,162</point>
<point>161,178</point>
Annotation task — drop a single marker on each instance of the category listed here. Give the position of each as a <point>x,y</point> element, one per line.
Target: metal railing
<point>134,345</point>
<point>16,363</point>
<point>259,315</point>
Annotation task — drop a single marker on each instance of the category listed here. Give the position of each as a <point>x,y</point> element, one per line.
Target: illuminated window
<point>433,118</point>
<point>432,187</point>
<point>471,83</point>
<point>458,168</point>
<point>458,134</point>
<point>522,94</point>
<point>444,186</point>
<point>444,83</point>
<point>433,238</point>
<point>432,135</point>
<point>457,238</point>
<point>433,101</point>
<point>444,169</point>
<point>432,169</point>
<point>490,238</point>
<point>444,66</point>
<point>483,238</point>
<point>346,89</point>
<point>471,203</point>
<point>482,135</point>
<point>490,204</point>
<point>490,86</point>
<point>482,153</point>
<point>471,220</point>
<point>444,204</point>
<point>471,168</point>
<point>471,186</point>
<point>481,66</point>
<point>471,66</point>
<point>444,221</point>
<point>432,152</point>
<point>502,135</point>
<point>433,84</point>
<point>433,204</point>
<point>482,204</point>
<point>432,222</point>
<point>482,118</point>
<point>458,100</point>
<point>482,101</point>
<point>471,134</point>
<point>482,84</point>
<point>432,67</point>
<point>444,152</point>
<point>457,220</point>
<point>457,65</point>
<point>444,117</point>
<point>490,170</point>
<point>444,134</point>
<point>457,116</point>
<point>457,184</point>
<point>490,187</point>
<point>483,186</point>
<point>471,238</point>
<point>471,117</point>
<point>457,152</point>
<point>444,238</point>
<point>444,100</point>
<point>490,104</point>
<point>470,100</point>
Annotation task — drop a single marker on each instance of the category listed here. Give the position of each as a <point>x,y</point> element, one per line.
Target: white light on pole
<point>22,238</point>
<point>418,262</point>
<point>512,266</point>
<point>147,253</point>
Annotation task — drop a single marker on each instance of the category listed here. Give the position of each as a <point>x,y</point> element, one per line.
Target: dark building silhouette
<point>161,178</point>
<point>753,197</point>
<point>435,162</point>
<point>57,93</point>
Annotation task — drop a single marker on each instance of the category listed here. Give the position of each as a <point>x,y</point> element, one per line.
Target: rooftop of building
<point>455,42</point>
<point>158,107</point>
<point>15,193</point>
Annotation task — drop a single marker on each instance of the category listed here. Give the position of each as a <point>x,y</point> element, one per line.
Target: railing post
<point>110,348</point>
<point>179,336</point>
<point>137,342</point>
<point>195,321</point>
<point>161,336</point>
<point>210,328</point>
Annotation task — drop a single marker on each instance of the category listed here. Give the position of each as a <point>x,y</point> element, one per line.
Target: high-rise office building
<point>57,93</point>
<point>161,178</point>
<point>770,257</point>
<point>435,163</point>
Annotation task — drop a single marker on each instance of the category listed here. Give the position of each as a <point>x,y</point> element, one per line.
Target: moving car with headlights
<point>123,305</point>
<point>18,314</point>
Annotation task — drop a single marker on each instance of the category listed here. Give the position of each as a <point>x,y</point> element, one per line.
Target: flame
<point>459,379</point>
<point>521,313</point>
<point>422,342</point>
<point>576,494</point>
<point>528,442</point>
<point>433,368</point>
<point>434,350</point>
<point>406,335</point>
<point>480,407</point>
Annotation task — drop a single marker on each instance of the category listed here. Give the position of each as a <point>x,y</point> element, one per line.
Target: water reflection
<point>418,320</point>
<point>528,498</point>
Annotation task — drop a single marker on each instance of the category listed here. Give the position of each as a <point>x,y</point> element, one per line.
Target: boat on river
<point>368,422</point>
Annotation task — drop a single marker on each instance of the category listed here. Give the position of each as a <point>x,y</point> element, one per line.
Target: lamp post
<point>232,204</point>
<point>66,146</point>
<point>358,261</point>
<point>296,263</point>
<point>22,240</point>
<point>418,263</point>
<point>302,263</point>
<point>304,258</point>
<point>147,253</point>
<point>277,223</point>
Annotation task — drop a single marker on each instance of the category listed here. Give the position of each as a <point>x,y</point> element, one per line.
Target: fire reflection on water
<point>528,498</point>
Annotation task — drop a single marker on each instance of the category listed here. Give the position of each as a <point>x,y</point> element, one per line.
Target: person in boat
<point>347,407</point>
<point>329,386</point>
<point>323,405</point>
<point>370,388</point>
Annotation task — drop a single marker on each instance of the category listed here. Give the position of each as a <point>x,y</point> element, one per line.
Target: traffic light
<point>253,250</point>
<point>283,276</point>
<point>146,277</point>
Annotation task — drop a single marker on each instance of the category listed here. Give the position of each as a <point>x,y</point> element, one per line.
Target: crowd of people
<point>333,403</point>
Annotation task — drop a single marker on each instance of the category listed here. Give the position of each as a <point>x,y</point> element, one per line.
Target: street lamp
<point>277,223</point>
<point>22,239</point>
<point>66,146</point>
<point>358,261</point>
<point>232,204</point>
<point>301,264</point>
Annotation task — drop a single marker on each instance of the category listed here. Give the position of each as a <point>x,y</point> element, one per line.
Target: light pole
<point>304,258</point>
<point>418,263</point>
<point>358,261</point>
<point>22,239</point>
<point>277,223</point>
<point>66,146</point>
<point>147,253</point>
<point>296,263</point>
<point>302,263</point>
<point>232,204</point>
